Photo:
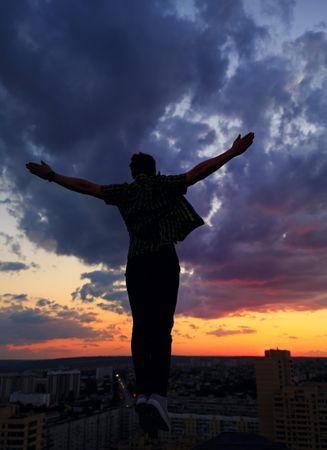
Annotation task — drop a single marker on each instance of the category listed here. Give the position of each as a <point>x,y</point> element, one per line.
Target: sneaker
<point>141,402</point>
<point>147,421</point>
<point>158,406</point>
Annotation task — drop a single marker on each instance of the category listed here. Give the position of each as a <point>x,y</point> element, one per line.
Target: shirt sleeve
<point>114,194</point>
<point>173,185</point>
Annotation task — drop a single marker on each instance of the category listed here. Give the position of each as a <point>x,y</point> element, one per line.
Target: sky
<point>83,86</point>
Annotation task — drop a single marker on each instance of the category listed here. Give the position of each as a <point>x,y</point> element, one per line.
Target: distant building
<point>187,430</point>
<point>26,382</point>
<point>225,406</point>
<point>199,427</point>
<point>30,399</point>
<point>104,372</point>
<point>40,385</point>
<point>89,432</point>
<point>301,416</point>
<point>142,442</point>
<point>98,430</point>
<point>61,384</point>
<point>20,431</point>
<point>128,422</point>
<point>236,441</point>
<point>289,414</point>
<point>273,372</point>
<point>9,383</point>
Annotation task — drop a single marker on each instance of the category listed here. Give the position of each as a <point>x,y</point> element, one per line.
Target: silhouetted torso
<point>154,210</point>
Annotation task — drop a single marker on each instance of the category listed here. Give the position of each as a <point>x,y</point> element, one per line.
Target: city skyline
<point>90,404</point>
<point>83,88</point>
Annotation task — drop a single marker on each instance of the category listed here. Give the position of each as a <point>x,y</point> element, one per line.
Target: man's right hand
<point>241,144</point>
<point>209,166</point>
<point>41,170</point>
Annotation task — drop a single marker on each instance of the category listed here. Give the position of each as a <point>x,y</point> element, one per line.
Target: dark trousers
<point>152,284</point>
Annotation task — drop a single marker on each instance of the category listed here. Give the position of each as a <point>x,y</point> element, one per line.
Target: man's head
<point>142,163</point>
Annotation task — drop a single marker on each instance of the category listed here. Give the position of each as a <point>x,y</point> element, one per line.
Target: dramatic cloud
<point>44,302</point>
<point>12,266</point>
<point>221,332</point>
<point>49,320</point>
<point>12,243</point>
<point>92,91</point>
<point>13,298</point>
<point>85,85</point>
<point>30,326</point>
<point>24,325</point>
<point>177,333</point>
<point>105,285</point>
<point>279,8</point>
<point>63,311</point>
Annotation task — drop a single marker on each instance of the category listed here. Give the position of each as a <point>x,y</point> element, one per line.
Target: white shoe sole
<point>160,416</point>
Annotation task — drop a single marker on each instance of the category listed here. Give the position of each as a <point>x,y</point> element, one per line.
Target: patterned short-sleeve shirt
<point>154,210</point>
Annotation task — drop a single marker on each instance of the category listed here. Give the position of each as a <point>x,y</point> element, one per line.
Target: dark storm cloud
<point>43,302</point>
<point>31,326</point>
<point>12,266</point>
<point>63,311</point>
<point>81,317</point>
<point>13,298</point>
<point>280,9</point>
<point>104,285</point>
<point>49,320</point>
<point>84,86</point>
<point>12,243</point>
<point>267,248</point>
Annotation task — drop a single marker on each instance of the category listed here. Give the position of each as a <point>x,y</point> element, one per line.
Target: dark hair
<point>142,163</point>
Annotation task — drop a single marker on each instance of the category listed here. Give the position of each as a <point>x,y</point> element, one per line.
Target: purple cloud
<point>12,266</point>
<point>221,332</point>
<point>84,87</point>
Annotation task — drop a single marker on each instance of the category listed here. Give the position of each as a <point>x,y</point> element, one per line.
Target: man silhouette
<point>157,215</point>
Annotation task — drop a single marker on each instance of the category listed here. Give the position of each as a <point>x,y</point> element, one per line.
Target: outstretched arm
<point>206,168</point>
<point>80,185</point>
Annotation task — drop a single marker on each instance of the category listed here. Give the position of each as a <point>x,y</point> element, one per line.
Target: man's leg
<point>136,282</point>
<point>164,289</point>
<point>165,299</point>
<point>138,274</point>
<point>152,283</point>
